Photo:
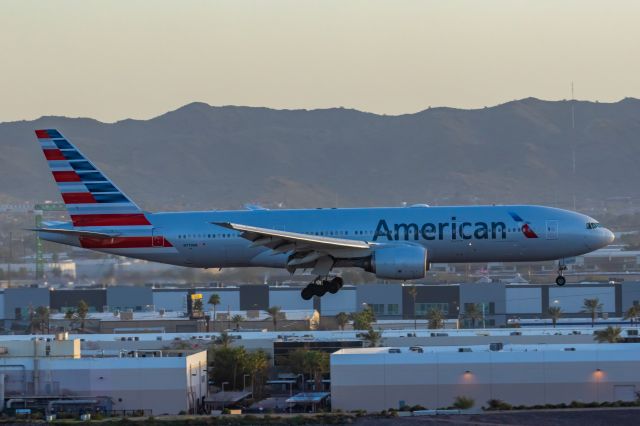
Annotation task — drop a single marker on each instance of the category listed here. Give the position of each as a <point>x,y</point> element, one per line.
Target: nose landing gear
<point>560,279</point>
<point>319,287</point>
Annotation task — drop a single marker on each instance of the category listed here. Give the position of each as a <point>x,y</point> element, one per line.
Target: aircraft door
<point>552,229</point>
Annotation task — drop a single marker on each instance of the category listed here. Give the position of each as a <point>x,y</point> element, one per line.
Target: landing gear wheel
<point>560,280</point>
<point>321,290</point>
<point>334,285</point>
<point>307,293</point>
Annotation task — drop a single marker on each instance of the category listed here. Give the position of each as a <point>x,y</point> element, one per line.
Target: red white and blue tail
<point>91,198</point>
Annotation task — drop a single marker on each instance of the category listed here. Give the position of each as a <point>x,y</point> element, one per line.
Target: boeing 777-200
<point>393,243</point>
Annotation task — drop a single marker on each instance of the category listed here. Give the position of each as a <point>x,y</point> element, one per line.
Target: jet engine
<point>399,262</point>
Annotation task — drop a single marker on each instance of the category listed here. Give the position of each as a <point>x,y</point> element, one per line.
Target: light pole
<point>223,383</point>
<point>244,381</point>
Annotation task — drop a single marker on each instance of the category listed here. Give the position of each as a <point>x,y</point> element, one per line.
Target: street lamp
<point>223,383</point>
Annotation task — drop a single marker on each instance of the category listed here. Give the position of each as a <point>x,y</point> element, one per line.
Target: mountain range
<point>205,157</point>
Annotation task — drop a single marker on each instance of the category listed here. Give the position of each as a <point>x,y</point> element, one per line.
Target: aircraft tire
<point>321,290</point>
<point>334,285</point>
<point>560,280</point>
<point>307,293</point>
<point>339,281</point>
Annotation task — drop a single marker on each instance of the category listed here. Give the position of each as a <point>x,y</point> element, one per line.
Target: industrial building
<point>500,302</point>
<point>52,373</point>
<point>376,379</point>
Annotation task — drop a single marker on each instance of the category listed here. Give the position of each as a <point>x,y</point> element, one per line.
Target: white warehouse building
<point>154,381</point>
<point>376,379</point>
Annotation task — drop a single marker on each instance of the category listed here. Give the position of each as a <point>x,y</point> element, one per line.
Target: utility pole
<point>573,144</point>
<point>9,259</point>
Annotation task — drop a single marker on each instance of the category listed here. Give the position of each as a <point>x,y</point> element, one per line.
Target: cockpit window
<point>593,225</point>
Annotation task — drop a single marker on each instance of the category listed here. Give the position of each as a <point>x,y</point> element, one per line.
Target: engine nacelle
<point>401,262</point>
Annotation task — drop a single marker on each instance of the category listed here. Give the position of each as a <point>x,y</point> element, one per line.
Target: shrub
<point>417,407</point>
<point>463,403</point>
<point>498,404</point>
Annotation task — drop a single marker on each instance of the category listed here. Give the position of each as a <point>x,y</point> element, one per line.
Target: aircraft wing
<point>307,251</point>
<point>75,232</point>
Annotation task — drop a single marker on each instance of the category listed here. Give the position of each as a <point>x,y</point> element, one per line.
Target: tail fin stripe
<point>53,154</point>
<point>78,198</point>
<point>82,166</point>
<point>62,144</point>
<point>66,176</point>
<point>92,177</point>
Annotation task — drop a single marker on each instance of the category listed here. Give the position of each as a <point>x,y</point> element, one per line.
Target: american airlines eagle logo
<point>526,229</point>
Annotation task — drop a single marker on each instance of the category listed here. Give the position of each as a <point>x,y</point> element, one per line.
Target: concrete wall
<point>380,294</point>
<point>630,293</point>
<point>125,298</point>
<point>383,381</point>
<point>490,294</point>
<point>571,297</point>
<point>22,298</point>
<point>343,301</point>
<point>170,299</point>
<point>288,298</point>
<point>523,300</point>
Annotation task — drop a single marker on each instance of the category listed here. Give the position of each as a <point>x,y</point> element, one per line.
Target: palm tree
<point>555,312</point>
<point>214,300</point>
<point>256,365</point>
<point>632,313</point>
<point>413,292</point>
<point>372,337</point>
<point>342,319</point>
<point>317,363</point>
<point>592,307</point>
<point>608,335</point>
<point>70,315</point>
<point>237,319</point>
<point>274,313</point>
<point>225,340</point>
<point>436,318</point>
<point>473,311</point>
<point>82,311</point>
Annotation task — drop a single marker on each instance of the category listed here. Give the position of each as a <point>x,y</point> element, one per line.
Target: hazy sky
<point>117,59</point>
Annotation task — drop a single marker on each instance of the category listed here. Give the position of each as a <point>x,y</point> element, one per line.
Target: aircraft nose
<point>608,237</point>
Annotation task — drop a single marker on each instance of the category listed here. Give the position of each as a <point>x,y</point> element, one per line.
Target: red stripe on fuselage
<point>78,198</point>
<point>53,154</point>
<point>109,219</point>
<point>69,176</point>
<point>124,242</point>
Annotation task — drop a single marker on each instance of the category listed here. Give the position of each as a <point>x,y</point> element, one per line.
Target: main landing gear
<point>319,287</point>
<point>560,279</point>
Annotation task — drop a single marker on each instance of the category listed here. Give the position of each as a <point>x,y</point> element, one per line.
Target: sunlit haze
<point>120,59</point>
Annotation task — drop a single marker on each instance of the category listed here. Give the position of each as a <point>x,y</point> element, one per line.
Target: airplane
<point>397,243</point>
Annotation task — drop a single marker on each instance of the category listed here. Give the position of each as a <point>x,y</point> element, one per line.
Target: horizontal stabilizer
<point>75,233</point>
